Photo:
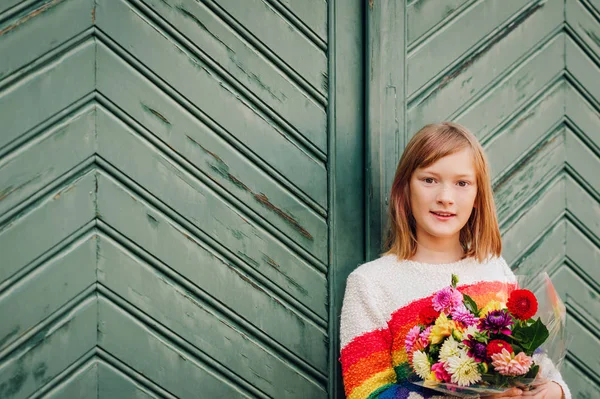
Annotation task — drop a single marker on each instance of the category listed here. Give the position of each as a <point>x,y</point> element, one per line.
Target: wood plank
<point>49,352</point>
<point>423,15</point>
<point>505,148</point>
<point>40,28</point>
<point>83,383</point>
<point>583,160</point>
<point>528,176</point>
<point>312,12</point>
<point>209,330</point>
<point>583,69</point>
<point>245,125</point>
<point>473,75</point>
<point>48,156</point>
<point>227,227</point>
<point>540,211</point>
<point>282,38</point>
<point>513,92</point>
<point>218,160</point>
<point>47,289</point>
<point>585,25</point>
<point>580,385</point>
<point>430,59</point>
<point>43,93</point>
<point>546,251</point>
<point>218,43</point>
<point>179,373</point>
<point>114,384</point>
<point>586,338</point>
<point>583,252</point>
<point>571,287</point>
<point>46,224</point>
<point>583,114</point>
<point>187,255</point>
<point>584,207</point>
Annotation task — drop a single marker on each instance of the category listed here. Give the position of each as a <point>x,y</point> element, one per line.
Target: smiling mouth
<point>445,215</point>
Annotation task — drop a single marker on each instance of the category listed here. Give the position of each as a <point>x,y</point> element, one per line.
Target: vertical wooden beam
<point>386,110</point>
<point>345,163</point>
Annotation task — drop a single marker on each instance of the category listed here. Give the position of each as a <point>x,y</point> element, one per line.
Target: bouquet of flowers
<point>461,349</point>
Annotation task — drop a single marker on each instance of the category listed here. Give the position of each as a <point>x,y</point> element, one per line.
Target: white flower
<point>421,364</point>
<point>463,369</point>
<point>450,347</point>
<point>471,330</point>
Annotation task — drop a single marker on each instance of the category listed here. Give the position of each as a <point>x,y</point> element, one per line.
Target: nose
<point>444,196</point>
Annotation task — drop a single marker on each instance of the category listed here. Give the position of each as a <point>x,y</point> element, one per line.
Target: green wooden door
<point>524,76</point>
<point>180,183</point>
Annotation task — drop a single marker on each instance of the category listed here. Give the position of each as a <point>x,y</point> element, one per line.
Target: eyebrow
<point>456,176</point>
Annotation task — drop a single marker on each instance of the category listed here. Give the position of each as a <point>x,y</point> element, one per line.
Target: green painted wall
<point>524,76</point>
<point>174,195</point>
<point>182,181</point>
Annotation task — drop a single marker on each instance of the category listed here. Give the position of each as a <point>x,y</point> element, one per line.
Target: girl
<point>442,221</point>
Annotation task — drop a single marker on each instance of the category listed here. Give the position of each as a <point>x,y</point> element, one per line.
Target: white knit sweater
<point>380,290</point>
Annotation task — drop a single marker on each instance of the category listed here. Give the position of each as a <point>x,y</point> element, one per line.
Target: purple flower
<point>496,322</point>
<point>462,315</point>
<point>446,299</point>
<point>477,350</point>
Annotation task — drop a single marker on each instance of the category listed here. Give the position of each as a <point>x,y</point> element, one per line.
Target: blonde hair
<point>480,236</point>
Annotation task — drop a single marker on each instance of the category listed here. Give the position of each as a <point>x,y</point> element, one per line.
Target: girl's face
<point>442,196</point>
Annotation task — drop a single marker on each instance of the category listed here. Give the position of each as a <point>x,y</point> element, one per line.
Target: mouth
<point>443,215</point>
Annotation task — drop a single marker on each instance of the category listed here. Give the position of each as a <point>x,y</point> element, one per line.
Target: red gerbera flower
<point>428,315</point>
<point>496,346</point>
<point>522,304</point>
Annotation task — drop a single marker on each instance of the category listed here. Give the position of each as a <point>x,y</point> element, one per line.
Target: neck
<point>440,251</point>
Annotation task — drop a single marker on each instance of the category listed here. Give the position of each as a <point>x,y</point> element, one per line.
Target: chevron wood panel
<point>524,80</point>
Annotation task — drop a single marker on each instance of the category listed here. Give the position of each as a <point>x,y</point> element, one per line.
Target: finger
<point>536,393</point>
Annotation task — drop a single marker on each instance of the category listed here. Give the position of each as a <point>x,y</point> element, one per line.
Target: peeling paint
<point>8,336</point>
<point>291,281</point>
<point>522,120</point>
<point>27,17</point>
<point>157,114</point>
<point>11,189</point>
<point>592,35</point>
<point>248,259</point>
<point>255,78</point>
<point>265,201</point>
<point>203,27</point>
<point>39,371</point>
<point>522,162</point>
<point>456,71</point>
<point>14,383</point>
<point>152,220</point>
<point>223,169</point>
<point>371,4</point>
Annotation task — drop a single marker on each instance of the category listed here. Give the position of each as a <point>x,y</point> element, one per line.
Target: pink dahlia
<point>424,336</point>
<point>462,315</point>
<point>507,363</point>
<point>447,299</point>
<point>411,337</point>
<point>441,373</point>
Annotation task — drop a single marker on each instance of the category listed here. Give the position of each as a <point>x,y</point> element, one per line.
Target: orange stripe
<point>370,385</point>
<point>362,370</point>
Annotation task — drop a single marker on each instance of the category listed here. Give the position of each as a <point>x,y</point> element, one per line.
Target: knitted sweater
<point>382,302</point>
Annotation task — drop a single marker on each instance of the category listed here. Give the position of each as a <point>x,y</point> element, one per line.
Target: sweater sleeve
<point>366,342</point>
<point>549,370</point>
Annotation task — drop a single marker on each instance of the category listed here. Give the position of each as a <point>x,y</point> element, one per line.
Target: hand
<point>547,390</point>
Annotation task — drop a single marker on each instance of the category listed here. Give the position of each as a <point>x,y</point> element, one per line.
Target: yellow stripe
<point>370,385</point>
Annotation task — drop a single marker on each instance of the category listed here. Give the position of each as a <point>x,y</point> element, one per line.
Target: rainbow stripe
<point>368,361</point>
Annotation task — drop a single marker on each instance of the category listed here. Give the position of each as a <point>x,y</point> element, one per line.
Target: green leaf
<point>454,280</point>
<point>470,304</point>
<point>530,337</point>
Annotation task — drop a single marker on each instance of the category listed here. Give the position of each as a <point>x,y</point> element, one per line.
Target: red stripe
<point>363,346</point>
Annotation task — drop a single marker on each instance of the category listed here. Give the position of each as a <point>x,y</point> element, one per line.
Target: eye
<point>463,183</point>
<point>428,180</point>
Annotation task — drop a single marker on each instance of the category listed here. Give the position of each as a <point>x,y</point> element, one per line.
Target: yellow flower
<point>431,377</point>
<point>491,305</point>
<point>442,328</point>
